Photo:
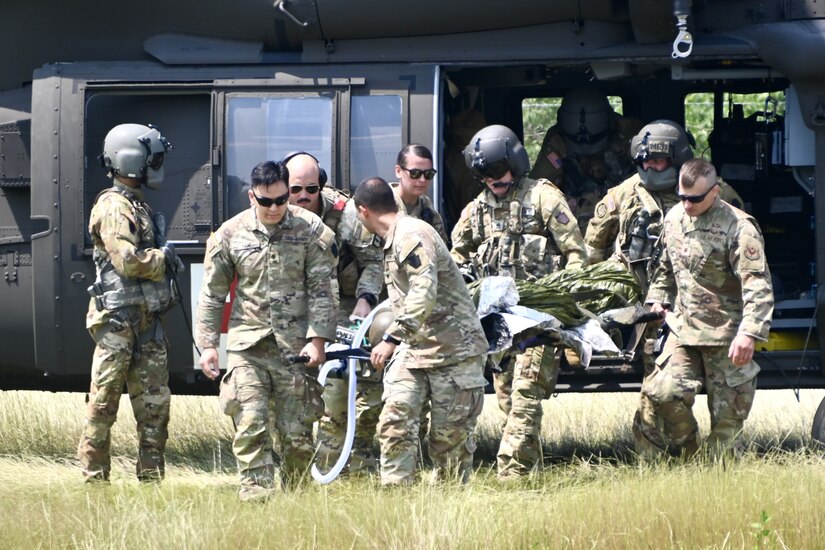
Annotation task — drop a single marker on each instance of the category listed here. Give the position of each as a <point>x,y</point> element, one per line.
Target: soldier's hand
<point>381,354</point>
<point>173,262</point>
<point>209,363</point>
<point>314,350</point>
<point>658,308</point>
<point>362,309</point>
<point>741,349</point>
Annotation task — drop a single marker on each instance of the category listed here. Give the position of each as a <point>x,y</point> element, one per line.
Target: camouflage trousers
<point>256,383</point>
<point>664,421</point>
<point>332,427</point>
<point>144,372</point>
<point>520,391</point>
<point>456,395</point>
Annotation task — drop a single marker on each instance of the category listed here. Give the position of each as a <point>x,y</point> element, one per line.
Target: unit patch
<point>601,210</point>
<point>752,252</point>
<point>562,218</point>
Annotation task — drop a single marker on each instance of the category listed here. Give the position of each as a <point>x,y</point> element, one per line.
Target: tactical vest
<point>112,291</point>
<point>511,239</point>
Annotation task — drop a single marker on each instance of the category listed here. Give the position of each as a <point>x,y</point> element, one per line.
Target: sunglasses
<point>415,173</point>
<point>311,189</point>
<point>696,199</point>
<point>501,184</point>
<point>266,202</point>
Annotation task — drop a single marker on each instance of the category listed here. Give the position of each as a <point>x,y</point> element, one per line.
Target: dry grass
<point>592,494</point>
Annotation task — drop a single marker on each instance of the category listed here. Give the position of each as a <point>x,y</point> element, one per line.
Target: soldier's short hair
<point>415,149</point>
<point>268,172</point>
<point>376,194</point>
<point>694,169</point>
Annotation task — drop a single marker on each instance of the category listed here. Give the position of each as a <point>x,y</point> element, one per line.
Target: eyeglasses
<point>415,173</point>
<point>266,202</point>
<point>311,189</point>
<point>696,199</point>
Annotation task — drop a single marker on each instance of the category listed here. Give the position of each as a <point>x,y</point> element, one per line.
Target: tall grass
<point>592,494</point>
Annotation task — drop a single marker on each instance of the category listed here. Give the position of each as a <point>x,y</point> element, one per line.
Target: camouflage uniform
<point>617,219</point>
<point>360,272</point>
<point>526,234</point>
<point>440,360</point>
<point>284,296</point>
<point>422,210</point>
<point>714,273</point>
<point>130,345</point>
<point>584,179</point>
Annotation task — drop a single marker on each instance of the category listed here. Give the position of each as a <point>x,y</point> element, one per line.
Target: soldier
<point>132,291</point>
<point>586,152</point>
<point>440,342</point>
<point>284,258</point>
<point>628,220</point>
<point>714,286</point>
<point>360,279</point>
<point>415,172</point>
<point>521,228</point>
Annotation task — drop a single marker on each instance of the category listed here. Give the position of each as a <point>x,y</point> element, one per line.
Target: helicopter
<point>232,83</point>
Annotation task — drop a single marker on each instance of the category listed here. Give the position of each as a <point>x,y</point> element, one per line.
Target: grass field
<point>592,494</point>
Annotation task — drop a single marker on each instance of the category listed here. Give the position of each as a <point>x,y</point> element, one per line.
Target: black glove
<point>173,262</point>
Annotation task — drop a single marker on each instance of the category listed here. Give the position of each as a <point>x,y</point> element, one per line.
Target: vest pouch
<point>536,258</point>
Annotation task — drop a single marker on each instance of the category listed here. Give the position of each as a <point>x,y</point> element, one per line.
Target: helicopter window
<point>265,128</point>
<point>375,136</point>
<point>539,115</point>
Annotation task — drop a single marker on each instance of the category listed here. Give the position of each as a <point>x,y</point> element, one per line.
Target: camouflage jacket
<point>575,174</point>
<point>526,234</point>
<point>714,273</point>
<point>123,234</point>
<point>616,214</point>
<point>434,313</point>
<point>284,281</point>
<point>361,258</point>
<point>422,210</point>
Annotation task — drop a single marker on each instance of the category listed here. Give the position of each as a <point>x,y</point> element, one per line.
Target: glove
<point>173,262</point>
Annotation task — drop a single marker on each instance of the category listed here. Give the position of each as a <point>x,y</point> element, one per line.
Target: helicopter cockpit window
<point>268,128</point>
<point>375,136</point>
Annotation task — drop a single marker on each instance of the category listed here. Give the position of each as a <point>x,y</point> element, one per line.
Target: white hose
<point>352,369</point>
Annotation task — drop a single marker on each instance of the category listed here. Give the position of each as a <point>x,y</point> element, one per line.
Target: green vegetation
<point>593,493</point>
<point>539,114</point>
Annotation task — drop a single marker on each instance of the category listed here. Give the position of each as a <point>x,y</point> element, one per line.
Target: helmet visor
<point>494,170</point>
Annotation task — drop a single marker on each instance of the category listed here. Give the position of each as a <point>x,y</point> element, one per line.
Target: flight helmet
<point>661,139</point>
<point>135,151</point>
<point>493,151</point>
<point>584,119</point>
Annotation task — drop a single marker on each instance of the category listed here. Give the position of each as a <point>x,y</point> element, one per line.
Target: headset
<point>322,174</point>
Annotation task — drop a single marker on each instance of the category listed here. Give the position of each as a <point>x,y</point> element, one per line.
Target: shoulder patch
<point>562,218</point>
<point>339,205</point>
<point>414,260</point>
<point>752,252</point>
<point>601,210</point>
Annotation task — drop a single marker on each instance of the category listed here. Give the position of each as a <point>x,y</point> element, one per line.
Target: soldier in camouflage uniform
<point>586,152</point>
<point>360,279</point>
<point>521,228</point>
<point>629,219</point>
<point>714,284</point>
<point>441,345</point>
<point>130,294</point>
<point>284,259</point>
<point>415,172</point>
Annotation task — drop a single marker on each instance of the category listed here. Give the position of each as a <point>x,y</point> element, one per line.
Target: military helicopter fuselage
<point>234,83</point>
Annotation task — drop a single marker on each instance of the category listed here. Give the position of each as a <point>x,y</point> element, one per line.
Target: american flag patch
<point>554,159</point>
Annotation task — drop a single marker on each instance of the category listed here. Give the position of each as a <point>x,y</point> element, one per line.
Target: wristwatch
<point>387,337</point>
